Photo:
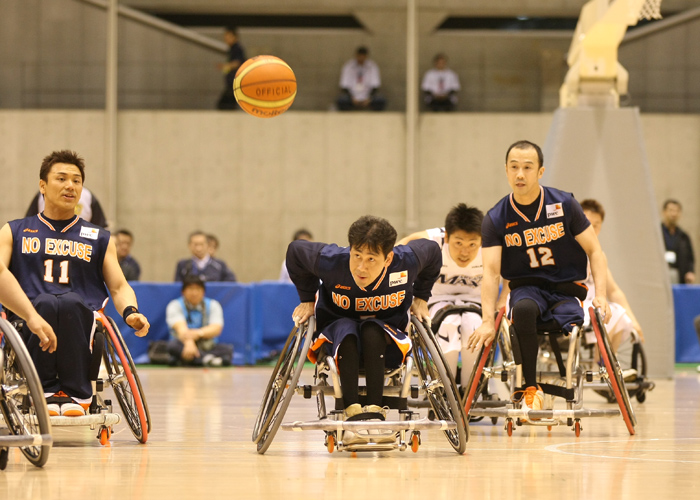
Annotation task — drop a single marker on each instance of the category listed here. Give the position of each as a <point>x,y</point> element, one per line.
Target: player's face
<point>198,246</point>
<point>366,266</point>
<point>671,214</point>
<point>463,246</point>
<point>194,294</point>
<point>62,188</point>
<point>524,172</point>
<point>595,219</point>
<point>123,243</point>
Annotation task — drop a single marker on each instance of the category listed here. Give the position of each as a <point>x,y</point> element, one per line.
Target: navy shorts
<point>564,309</point>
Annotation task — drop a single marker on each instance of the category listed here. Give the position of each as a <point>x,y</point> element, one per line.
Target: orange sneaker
<point>532,398</point>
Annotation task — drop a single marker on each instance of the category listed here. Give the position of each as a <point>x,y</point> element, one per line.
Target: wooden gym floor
<point>200,448</point>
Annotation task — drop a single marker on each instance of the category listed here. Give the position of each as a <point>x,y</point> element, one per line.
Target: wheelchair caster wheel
<point>415,443</point>
<point>104,435</point>
<point>577,428</point>
<point>549,428</point>
<point>509,427</point>
<point>330,443</point>
<point>494,420</point>
<point>641,396</point>
<point>4,456</point>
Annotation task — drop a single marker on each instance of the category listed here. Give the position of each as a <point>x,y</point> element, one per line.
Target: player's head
<point>440,61</point>
<point>524,168</point>
<point>303,234</point>
<point>372,242</point>
<point>671,212</point>
<point>198,244</point>
<point>193,289</point>
<point>61,178</point>
<point>230,35</point>
<point>212,244</point>
<point>595,213</point>
<point>123,240</point>
<point>361,54</point>
<point>463,233</point>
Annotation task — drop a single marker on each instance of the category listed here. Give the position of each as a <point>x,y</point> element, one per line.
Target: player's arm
<point>412,237</point>
<point>615,294</point>
<point>122,293</point>
<point>484,335</point>
<point>503,297</point>
<point>599,267</point>
<point>216,322</point>
<point>430,259</point>
<point>301,260</point>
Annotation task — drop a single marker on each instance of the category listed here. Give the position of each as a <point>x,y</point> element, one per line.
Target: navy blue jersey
<point>47,260</point>
<point>544,247</point>
<point>318,267</point>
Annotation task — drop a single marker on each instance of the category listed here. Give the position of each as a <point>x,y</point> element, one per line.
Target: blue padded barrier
<point>686,305</point>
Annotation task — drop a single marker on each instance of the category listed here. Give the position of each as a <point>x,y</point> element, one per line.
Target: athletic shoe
<point>698,368</point>
<point>54,409</point>
<point>532,398</point>
<point>352,410</point>
<point>375,409</point>
<point>72,410</point>
<point>211,360</point>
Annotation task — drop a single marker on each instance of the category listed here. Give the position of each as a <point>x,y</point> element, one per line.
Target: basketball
<point>265,86</point>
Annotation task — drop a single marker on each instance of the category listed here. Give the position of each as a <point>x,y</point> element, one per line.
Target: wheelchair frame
<point>610,373</point>
<point>368,435</point>
<point>22,402</point>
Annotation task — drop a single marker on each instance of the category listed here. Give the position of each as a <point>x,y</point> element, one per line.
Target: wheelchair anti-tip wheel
<point>124,380</point>
<point>613,370</point>
<point>21,395</point>
<point>439,384</point>
<point>282,384</point>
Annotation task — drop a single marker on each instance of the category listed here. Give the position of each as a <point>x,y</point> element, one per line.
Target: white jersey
<point>440,82</point>
<point>360,79</point>
<point>455,282</point>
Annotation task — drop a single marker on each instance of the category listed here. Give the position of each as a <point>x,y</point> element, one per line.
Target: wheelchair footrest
<point>96,419</point>
<point>362,425</point>
<point>541,414</point>
<point>31,440</point>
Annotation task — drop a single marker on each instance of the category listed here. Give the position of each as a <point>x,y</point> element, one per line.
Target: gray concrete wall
<point>52,55</point>
<point>253,182</point>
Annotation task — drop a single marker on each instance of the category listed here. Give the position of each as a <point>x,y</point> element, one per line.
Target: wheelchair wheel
<point>486,357</point>
<point>124,381</point>
<point>614,372</point>
<point>21,395</point>
<point>439,384</point>
<point>282,385</point>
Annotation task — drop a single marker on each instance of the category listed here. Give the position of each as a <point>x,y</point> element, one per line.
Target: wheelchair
<point>435,383</point>
<point>22,402</point>
<point>110,350</point>
<point>566,383</point>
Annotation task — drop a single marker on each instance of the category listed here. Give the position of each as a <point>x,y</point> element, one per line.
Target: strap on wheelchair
<point>554,343</point>
<point>559,391</point>
<point>515,345</point>
<point>569,288</point>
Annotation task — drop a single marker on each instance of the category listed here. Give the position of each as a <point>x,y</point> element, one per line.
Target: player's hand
<point>602,304</point>
<point>138,322</point>
<point>482,336</point>
<point>419,308</point>
<point>40,328</point>
<point>189,350</point>
<point>302,313</point>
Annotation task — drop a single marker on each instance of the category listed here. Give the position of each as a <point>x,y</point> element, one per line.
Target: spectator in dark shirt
<point>236,57</point>
<point>131,269</point>
<point>201,264</point>
<point>679,249</point>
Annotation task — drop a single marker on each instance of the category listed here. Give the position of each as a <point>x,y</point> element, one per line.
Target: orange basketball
<point>265,86</point>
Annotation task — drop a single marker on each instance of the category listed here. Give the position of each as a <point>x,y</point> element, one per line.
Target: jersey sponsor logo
<point>511,224</point>
<point>556,210</point>
<point>470,281</point>
<point>90,233</point>
<point>342,287</point>
<point>27,230</point>
<point>399,278</point>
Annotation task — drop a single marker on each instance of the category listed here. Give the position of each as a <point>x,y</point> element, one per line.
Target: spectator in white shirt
<point>359,82</point>
<point>440,86</point>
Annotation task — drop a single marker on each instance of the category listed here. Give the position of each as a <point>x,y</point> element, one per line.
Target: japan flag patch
<point>556,210</point>
<point>89,232</point>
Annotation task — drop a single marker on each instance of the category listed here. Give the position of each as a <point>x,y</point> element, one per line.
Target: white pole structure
<point>411,114</point>
<point>110,155</point>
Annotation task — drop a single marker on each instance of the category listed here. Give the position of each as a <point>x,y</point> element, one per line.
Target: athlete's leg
<point>374,341</point>
<point>448,336</point>
<point>470,322</point>
<point>349,368</point>
<point>44,361</point>
<point>76,327</point>
<point>524,315</point>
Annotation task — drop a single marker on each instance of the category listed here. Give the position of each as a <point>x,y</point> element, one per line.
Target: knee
<point>45,302</point>
<point>525,312</point>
